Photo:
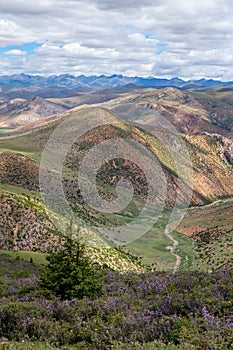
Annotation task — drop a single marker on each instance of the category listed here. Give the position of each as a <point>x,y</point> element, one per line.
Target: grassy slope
<point>205,239</point>
<point>152,247</point>
<point>35,220</point>
<point>218,102</point>
<point>211,227</point>
<point>37,257</point>
<point>3,131</point>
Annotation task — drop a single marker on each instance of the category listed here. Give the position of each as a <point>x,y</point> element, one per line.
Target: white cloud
<point>15,53</point>
<point>190,39</point>
<point>12,33</point>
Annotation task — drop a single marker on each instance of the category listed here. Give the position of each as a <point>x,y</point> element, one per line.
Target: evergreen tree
<point>70,273</point>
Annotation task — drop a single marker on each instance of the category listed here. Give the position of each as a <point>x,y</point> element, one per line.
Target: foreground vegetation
<point>154,310</point>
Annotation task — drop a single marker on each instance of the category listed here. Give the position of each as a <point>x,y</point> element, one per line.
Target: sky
<point>190,39</point>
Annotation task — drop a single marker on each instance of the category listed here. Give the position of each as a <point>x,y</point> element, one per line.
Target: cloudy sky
<point>190,39</point>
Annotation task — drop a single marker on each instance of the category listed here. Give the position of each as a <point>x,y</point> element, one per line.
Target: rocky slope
<point>190,112</point>
<point>19,112</point>
<point>24,225</point>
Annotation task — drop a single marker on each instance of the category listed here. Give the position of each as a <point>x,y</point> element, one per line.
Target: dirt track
<point>173,248</point>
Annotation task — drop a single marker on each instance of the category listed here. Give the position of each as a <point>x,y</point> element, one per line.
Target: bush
<point>185,310</point>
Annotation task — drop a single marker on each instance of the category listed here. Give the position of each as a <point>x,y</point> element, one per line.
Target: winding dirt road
<point>172,249</point>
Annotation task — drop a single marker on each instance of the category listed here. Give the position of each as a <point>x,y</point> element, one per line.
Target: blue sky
<point>159,38</point>
<point>28,48</point>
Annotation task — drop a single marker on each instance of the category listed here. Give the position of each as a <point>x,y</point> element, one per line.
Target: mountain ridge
<point>100,81</point>
<point>19,112</point>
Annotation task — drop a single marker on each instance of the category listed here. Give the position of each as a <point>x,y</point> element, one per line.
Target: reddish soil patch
<point>191,230</point>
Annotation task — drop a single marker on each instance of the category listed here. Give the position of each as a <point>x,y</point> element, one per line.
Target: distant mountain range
<point>83,82</point>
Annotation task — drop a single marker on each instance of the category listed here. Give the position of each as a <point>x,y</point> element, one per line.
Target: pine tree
<point>70,273</point>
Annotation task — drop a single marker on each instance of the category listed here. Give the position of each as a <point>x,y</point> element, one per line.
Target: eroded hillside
<point>24,225</point>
